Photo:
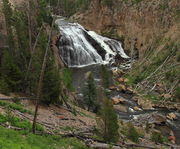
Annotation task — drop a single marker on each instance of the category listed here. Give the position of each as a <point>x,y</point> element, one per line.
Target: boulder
<point>121,80</point>
<point>117,100</point>
<point>172,139</point>
<point>120,108</point>
<point>145,104</point>
<point>135,98</point>
<point>171,116</point>
<point>167,96</point>
<point>129,90</point>
<point>137,108</point>
<point>158,118</point>
<point>113,88</point>
<point>122,87</point>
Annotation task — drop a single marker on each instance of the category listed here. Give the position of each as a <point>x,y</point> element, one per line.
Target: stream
<point>84,51</point>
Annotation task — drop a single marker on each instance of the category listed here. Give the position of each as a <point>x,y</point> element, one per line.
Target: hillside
<point>149,30</point>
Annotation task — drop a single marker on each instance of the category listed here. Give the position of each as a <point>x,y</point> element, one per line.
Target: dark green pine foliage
<point>15,59</point>
<point>7,10</point>
<point>44,14</point>
<point>90,94</point>
<point>105,77</point>
<point>108,122</point>
<point>11,75</point>
<point>51,83</point>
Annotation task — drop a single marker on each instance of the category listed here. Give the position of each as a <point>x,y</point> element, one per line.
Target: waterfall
<point>79,47</point>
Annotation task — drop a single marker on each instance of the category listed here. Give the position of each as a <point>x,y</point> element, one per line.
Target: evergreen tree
<point>10,72</point>
<point>8,12</point>
<point>105,77</point>
<point>107,121</point>
<point>51,83</point>
<point>90,94</point>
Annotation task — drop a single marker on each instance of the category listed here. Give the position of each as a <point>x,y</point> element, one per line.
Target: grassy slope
<point>10,139</point>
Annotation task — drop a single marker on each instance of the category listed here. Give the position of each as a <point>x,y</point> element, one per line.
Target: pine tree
<point>105,77</point>
<point>107,121</point>
<point>8,12</point>
<point>90,94</point>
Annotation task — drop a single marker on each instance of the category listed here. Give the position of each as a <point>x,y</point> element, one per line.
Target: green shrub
<point>67,78</point>
<point>132,133</point>
<point>157,137</point>
<point>4,88</point>
<point>17,122</point>
<point>108,122</point>
<point>90,94</point>
<point>16,100</point>
<point>15,106</point>
<point>108,3</point>
<point>177,93</point>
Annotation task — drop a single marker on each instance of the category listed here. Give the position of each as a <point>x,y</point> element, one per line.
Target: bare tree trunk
<point>40,83</point>
<point>32,54</point>
<point>29,26</point>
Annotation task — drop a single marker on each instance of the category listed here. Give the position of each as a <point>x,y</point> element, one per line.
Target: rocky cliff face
<point>139,22</point>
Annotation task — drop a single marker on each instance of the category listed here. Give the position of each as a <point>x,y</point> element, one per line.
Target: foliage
<point>132,133</point>
<point>14,106</point>
<point>10,72</point>
<point>108,3</point>
<point>67,78</point>
<point>105,77</point>
<point>16,122</point>
<point>90,94</point>
<point>157,137</point>
<point>7,10</point>
<point>10,139</point>
<point>177,92</point>
<point>15,60</point>
<point>16,100</point>
<point>44,15</point>
<point>51,83</point>
<point>4,87</point>
<point>107,122</point>
<point>70,7</point>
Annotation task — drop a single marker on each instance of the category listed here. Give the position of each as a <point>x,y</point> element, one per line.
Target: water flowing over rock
<point>79,47</point>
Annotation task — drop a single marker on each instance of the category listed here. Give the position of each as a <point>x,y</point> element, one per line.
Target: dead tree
<point>40,83</point>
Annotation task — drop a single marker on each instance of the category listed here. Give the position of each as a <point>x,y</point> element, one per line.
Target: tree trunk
<point>40,83</point>
<point>29,26</point>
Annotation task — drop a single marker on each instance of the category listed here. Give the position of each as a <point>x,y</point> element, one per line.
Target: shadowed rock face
<point>79,47</point>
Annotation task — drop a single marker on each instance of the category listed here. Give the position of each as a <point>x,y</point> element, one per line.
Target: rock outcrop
<point>139,23</point>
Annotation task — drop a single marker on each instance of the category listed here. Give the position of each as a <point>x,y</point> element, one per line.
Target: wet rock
<point>137,109</point>
<point>145,104</point>
<point>120,108</point>
<point>172,139</point>
<point>158,118</point>
<point>171,116</point>
<point>166,96</point>
<point>120,80</point>
<point>113,88</point>
<point>122,88</point>
<point>135,98</point>
<point>130,91</point>
<point>117,100</point>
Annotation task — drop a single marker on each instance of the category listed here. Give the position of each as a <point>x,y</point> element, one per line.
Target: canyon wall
<point>141,23</point>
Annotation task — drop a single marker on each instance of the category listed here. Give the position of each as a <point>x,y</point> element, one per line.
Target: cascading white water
<point>79,47</point>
